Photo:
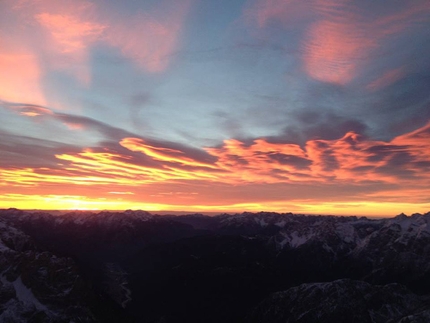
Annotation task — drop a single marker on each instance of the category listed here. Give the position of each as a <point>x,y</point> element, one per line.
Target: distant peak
<point>401,216</point>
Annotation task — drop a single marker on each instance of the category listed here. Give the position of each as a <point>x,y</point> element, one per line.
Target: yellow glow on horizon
<point>69,202</point>
<point>76,202</point>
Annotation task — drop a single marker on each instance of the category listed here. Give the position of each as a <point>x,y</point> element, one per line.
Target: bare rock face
<point>342,301</point>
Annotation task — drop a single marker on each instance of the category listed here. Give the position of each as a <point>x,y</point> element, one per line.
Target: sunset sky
<point>317,106</point>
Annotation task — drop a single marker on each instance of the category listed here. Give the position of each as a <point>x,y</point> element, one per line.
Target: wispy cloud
<point>69,31</point>
<point>161,154</point>
<point>65,33</point>
<point>149,39</point>
<point>338,38</point>
<point>386,79</point>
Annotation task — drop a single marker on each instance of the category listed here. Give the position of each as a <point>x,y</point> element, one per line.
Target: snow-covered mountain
<point>154,268</point>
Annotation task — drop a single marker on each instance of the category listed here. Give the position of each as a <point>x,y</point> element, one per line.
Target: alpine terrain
<point>135,266</point>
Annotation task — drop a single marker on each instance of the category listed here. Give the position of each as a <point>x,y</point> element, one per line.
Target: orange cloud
<point>241,173</point>
<point>418,145</point>
<point>261,161</point>
<point>161,154</point>
<point>352,159</point>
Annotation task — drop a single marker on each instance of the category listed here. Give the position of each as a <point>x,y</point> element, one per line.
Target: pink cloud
<point>336,43</point>
<point>59,36</point>
<point>149,39</point>
<point>70,32</point>
<point>20,78</point>
<point>339,37</point>
<point>71,29</point>
<point>386,79</point>
<point>331,51</point>
<point>414,13</point>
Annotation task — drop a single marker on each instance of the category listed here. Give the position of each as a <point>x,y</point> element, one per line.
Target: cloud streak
<point>353,163</point>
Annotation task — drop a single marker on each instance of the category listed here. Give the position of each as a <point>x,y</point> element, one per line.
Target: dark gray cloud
<point>41,149</point>
<point>291,160</point>
<point>23,151</point>
<point>309,124</point>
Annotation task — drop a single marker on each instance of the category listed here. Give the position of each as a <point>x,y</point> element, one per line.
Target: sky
<point>315,107</point>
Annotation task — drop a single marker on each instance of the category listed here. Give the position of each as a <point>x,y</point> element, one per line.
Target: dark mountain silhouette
<point>134,266</point>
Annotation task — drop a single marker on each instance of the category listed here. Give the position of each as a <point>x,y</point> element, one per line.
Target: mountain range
<point>134,266</point>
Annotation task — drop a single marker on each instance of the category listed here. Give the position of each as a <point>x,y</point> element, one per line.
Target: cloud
<point>307,124</point>
<point>386,79</point>
<point>333,49</point>
<point>339,38</point>
<point>59,34</point>
<point>350,168</point>
<point>40,40</point>
<point>354,66</point>
<point>162,154</point>
<point>69,31</point>
<point>20,76</point>
<point>20,151</point>
<point>111,137</point>
<point>119,158</point>
<point>123,158</point>
<point>352,158</point>
<point>28,110</point>
<point>149,39</point>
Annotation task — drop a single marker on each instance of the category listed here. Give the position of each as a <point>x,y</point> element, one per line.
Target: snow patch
<point>346,232</point>
<point>295,240</point>
<point>261,222</point>
<point>281,224</point>
<point>24,294</point>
